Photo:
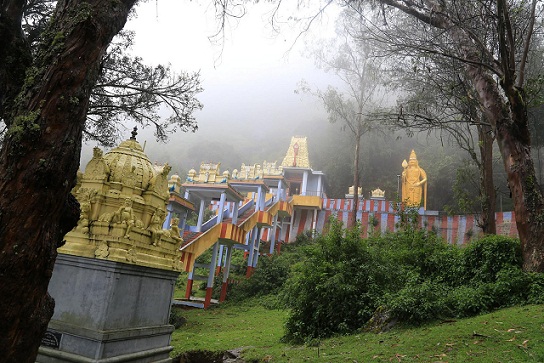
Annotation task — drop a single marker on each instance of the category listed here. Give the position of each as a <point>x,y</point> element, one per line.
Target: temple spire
<point>134,133</point>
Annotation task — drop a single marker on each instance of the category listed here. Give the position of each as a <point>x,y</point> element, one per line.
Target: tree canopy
<point>492,40</point>
<point>127,88</point>
<point>360,93</point>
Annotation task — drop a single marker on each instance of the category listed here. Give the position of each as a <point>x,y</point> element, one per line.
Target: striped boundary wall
<point>456,229</point>
<point>303,221</point>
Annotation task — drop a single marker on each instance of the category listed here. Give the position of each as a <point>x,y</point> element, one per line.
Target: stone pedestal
<point>107,311</point>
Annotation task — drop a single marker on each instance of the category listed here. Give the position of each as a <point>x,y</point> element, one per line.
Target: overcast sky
<point>248,81</point>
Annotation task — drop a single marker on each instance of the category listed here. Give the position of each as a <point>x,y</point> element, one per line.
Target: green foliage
<point>192,217</point>
<point>418,301</point>
<point>334,283</point>
<point>413,273</point>
<point>536,290</point>
<point>268,279</point>
<point>465,190</point>
<point>332,291</point>
<point>24,126</point>
<point>484,258</point>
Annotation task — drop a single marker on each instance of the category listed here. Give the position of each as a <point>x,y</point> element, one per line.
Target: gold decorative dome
<point>175,178</point>
<point>129,165</point>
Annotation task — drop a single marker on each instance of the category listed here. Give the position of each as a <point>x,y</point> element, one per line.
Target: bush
<point>267,279</point>
<point>470,300</point>
<point>419,301</point>
<point>485,258</point>
<point>536,290</point>
<point>332,292</point>
<point>412,274</point>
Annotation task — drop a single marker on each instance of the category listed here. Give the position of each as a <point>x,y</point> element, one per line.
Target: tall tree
<point>127,88</point>
<point>359,94</point>
<point>438,97</point>
<point>44,97</point>
<point>495,66</point>
<point>535,92</point>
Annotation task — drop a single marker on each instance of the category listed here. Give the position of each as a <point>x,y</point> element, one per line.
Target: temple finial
<point>134,133</point>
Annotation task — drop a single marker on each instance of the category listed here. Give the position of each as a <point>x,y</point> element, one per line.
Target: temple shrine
<point>114,278</point>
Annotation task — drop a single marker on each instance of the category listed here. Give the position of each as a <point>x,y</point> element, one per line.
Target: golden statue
<point>414,183</point>
<point>125,215</point>
<point>155,227</point>
<point>175,232</point>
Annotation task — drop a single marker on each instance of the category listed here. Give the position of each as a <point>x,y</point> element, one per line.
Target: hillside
<point>507,335</point>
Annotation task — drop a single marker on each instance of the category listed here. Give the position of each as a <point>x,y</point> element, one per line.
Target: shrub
<point>419,301</point>
<point>484,258</point>
<point>470,300</point>
<point>412,274</point>
<point>272,272</point>
<point>332,292</point>
<point>267,279</point>
<point>536,290</point>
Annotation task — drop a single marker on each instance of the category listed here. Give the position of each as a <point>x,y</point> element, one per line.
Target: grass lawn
<point>508,335</point>
<point>229,326</point>
<point>179,290</point>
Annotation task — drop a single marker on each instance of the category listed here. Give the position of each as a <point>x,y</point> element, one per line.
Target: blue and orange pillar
<point>226,272</point>
<point>211,276</point>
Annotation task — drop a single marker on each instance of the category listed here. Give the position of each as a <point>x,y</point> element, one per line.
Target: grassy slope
<point>508,335</point>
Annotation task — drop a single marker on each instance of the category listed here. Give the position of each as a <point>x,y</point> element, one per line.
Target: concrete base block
<point>108,312</point>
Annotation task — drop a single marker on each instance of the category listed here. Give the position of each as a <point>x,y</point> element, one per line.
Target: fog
<point>251,110</point>
<point>249,78</point>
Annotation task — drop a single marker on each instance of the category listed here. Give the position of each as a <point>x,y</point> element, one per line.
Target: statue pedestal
<point>107,311</point>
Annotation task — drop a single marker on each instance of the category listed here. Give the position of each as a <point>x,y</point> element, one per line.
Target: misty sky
<point>249,81</point>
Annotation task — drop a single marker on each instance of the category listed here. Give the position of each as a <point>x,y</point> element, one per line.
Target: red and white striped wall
<point>456,229</point>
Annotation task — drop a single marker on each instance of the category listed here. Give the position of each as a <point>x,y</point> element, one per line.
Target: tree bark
<point>510,124</point>
<point>39,161</point>
<point>487,186</point>
<point>353,215</point>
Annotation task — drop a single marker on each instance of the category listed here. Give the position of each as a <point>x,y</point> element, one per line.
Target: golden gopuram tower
<point>123,201</point>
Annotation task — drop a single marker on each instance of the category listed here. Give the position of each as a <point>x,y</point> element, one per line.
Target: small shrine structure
<point>351,192</point>
<point>377,194</point>
<point>113,280</point>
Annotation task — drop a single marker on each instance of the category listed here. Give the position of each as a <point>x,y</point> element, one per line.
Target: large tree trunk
<point>510,125</point>
<point>487,186</point>
<point>15,54</point>
<point>39,160</point>
<point>355,206</point>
